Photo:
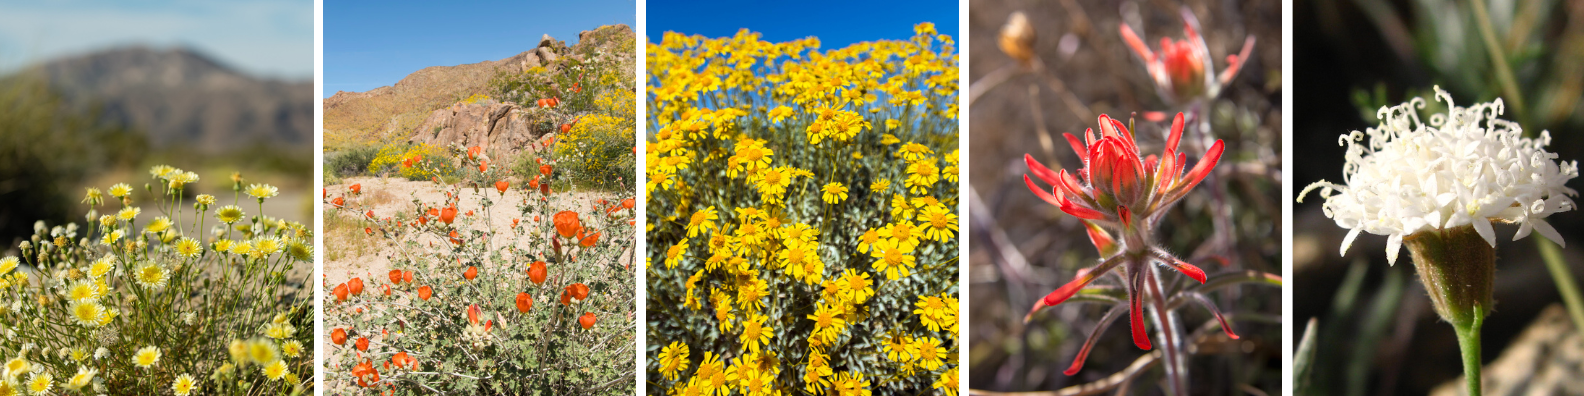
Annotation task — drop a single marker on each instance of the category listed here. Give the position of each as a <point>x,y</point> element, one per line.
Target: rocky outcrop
<point>502,129</point>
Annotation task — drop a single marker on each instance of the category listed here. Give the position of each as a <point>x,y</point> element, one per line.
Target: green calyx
<point>1458,269</point>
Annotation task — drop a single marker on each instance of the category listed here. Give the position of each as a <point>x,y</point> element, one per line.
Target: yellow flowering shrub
<point>392,157</point>
<point>599,147</point>
<point>802,216</point>
<point>159,295</point>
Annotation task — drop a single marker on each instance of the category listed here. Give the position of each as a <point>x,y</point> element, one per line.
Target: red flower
<point>357,188</point>
<point>575,292</point>
<point>545,169</point>
<point>448,215</point>
<point>576,88</point>
<point>502,186</point>
<point>472,272</point>
<point>589,240</point>
<point>514,223</point>
<point>386,288</point>
<point>484,166</point>
<point>370,215</point>
<point>338,202</point>
<point>355,286</point>
<point>474,151</point>
<point>368,230</point>
<point>338,336</point>
<point>470,213</point>
<point>537,272</point>
<point>627,203</point>
<point>396,276</point>
<point>587,320</point>
<point>407,276</point>
<point>524,302</point>
<point>340,292</point>
<point>425,292</point>
<point>362,344</point>
<point>365,373</point>
<point>566,128</point>
<point>567,224</point>
<point>1179,69</point>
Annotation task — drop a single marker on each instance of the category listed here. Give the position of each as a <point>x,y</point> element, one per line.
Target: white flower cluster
<point>1466,167</point>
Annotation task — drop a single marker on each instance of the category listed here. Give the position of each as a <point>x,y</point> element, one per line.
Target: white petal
<point>1348,240</point>
<point>1483,226</point>
<point>1523,230</point>
<point>1393,245</point>
<point>1550,233</point>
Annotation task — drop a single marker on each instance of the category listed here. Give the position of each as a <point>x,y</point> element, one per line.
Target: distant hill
<point>394,112</point>
<point>181,97</point>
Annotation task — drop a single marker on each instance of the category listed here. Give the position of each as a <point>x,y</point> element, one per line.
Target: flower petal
<point>1040,170</point>
<point>1210,305</point>
<point>1136,310</point>
<point>1483,226</point>
<point>1040,192</point>
<point>1546,231</point>
<point>1072,287</point>
<point>1083,353</point>
<point>1393,246</point>
<point>1348,240</point>
<point>1176,134</point>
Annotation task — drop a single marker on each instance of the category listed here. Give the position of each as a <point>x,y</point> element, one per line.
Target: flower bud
<point>1017,38</point>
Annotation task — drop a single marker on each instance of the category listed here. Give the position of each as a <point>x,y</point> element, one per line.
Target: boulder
<point>502,129</point>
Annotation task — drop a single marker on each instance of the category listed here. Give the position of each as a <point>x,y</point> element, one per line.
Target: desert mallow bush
<point>1438,188</point>
<point>802,216</point>
<point>159,294</point>
<point>543,304</point>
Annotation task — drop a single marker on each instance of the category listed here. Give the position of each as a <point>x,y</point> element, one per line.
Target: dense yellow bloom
<point>676,253</point>
<point>276,371</point>
<point>940,223</point>
<point>851,384</point>
<point>188,247</point>
<point>703,220</point>
<point>755,332</point>
<point>894,258</point>
<point>129,213</point>
<point>229,214</point>
<point>7,264</point>
<point>146,357</point>
<point>151,275</point>
<point>120,190</point>
<point>946,383</point>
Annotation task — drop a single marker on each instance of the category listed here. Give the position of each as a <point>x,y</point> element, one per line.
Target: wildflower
<point>946,382</point>
<point>673,359</point>
<point>40,383</point>
<point>16,366</point>
<point>834,193</point>
<point>851,384</point>
<point>184,385</point>
<point>1181,69</point>
<point>470,273</point>
<point>160,224</point>
<point>88,313</point>
<point>338,336</point>
<point>206,200</point>
<point>146,357</point>
<point>828,323</point>
<point>893,257</point>
<point>524,302</point>
<point>188,247</point>
<point>355,286</point>
<point>756,332</point>
<point>574,293</point>
<point>425,292</point>
<point>279,330</point>
<point>362,343</point>
<point>703,220</point>
<point>856,286</point>
<point>83,377</point>
<point>262,191</point>
<point>121,190</point>
<point>276,371</point>
<point>587,320</point>
<point>537,272</point>
<point>229,214</point>
<point>567,224</point>
<point>502,186</point>
<point>150,275</point>
<point>292,348</point>
<point>676,253</point>
<point>7,264</point>
<point>129,213</point>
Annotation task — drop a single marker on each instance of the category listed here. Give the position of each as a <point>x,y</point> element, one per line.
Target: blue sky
<point>369,44</point>
<point>836,23</point>
<point>273,38</point>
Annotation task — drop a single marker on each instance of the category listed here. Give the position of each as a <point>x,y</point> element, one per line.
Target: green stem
<point>1552,256</point>
<point>1504,74</point>
<point>1469,344</point>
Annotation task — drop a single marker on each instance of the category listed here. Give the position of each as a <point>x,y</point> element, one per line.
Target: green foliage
<point>427,162</point>
<point>352,161</point>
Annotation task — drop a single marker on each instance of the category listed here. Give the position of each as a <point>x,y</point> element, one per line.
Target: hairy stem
<point>1469,344</point>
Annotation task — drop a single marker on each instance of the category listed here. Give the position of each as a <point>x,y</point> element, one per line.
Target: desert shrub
<point>481,308</point>
<point>802,212</point>
<point>598,150</point>
<point>399,158</point>
<point>160,297</point>
<point>352,161</point>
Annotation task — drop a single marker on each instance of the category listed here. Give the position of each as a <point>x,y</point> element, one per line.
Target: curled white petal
<point>1465,167</point>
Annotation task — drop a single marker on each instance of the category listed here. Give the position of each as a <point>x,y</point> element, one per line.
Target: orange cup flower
<point>396,276</point>
<point>574,293</point>
<point>472,272</point>
<point>355,286</point>
<point>589,240</point>
<point>365,373</point>
<point>338,202</point>
<point>425,292</point>
<point>502,186</point>
<point>566,128</point>
<point>628,203</point>
<point>338,336</point>
<point>567,224</point>
<point>474,151</point>
<point>357,188</point>
<point>587,320</point>
<point>407,276</point>
<point>484,166</point>
<point>537,272</point>
<point>362,344</point>
<point>524,302</point>
<point>340,292</point>
<point>448,215</point>
<point>546,169</point>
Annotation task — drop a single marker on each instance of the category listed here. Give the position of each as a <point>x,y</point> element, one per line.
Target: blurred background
<point>95,92</point>
<point>1376,331</point>
<point>1023,248</point>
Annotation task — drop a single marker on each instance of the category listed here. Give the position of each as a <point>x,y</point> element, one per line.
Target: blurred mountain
<point>183,98</point>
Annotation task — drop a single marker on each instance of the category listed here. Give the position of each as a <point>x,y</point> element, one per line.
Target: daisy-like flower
<point>702,221</point>
<point>935,313</point>
<point>162,171</point>
<point>7,264</point>
<point>851,384</point>
<point>83,377</point>
<point>40,383</point>
<point>188,247</point>
<point>940,223</point>
<point>893,257</point>
<point>756,332</point>
<point>1465,168</point>
<point>292,348</point>
<point>96,270</point>
<point>262,352</point>
<point>184,385</point>
<point>150,275</point>
<point>880,185</point>
<point>160,224</point>
<point>946,382</point>
<point>87,313</point>
<point>676,253</point>
<point>855,286</point>
<point>828,324</point>
<point>276,371</point>
<point>82,290</point>
<point>930,352</point>
<point>229,214</point>
<point>834,193</point>
<point>146,357</point>
<point>120,190</point>
<point>129,213</point>
<point>673,360</point>
<point>262,191</point>
<point>110,238</point>
<point>16,366</point>
<point>206,200</point>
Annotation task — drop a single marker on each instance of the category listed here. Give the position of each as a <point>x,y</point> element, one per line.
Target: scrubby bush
<point>398,158</point>
<point>802,216</point>
<point>352,161</point>
<point>544,305</point>
<point>159,298</point>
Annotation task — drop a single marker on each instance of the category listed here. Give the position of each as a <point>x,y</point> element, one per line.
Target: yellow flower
<point>150,275</point>
<point>755,332</point>
<point>894,258</point>
<point>242,248</point>
<point>856,286</point>
<point>41,383</point>
<point>946,383</point>
<point>937,312</point>
<point>82,290</point>
<point>929,352</point>
<point>892,124</point>
<point>279,331</point>
<point>834,193</point>
<point>673,359</point>
<point>779,113</point>
<point>851,384</point>
<point>940,224</point>
<point>900,348</point>
<point>16,366</point>
<point>223,245</point>
<point>262,191</point>
<point>828,323</point>
<point>676,253</point>
<point>922,176</point>
<point>184,385</point>
<point>900,209</point>
<point>161,171</point>
<point>120,190</point>
<point>188,247</point>
<point>206,200</point>
<point>84,376</point>
<point>703,220</point>
<point>7,264</point>
<point>261,352</point>
<point>93,197</point>
<point>129,213</point>
<point>96,270</point>
<point>276,371</point>
<point>146,357</point>
<point>229,214</point>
